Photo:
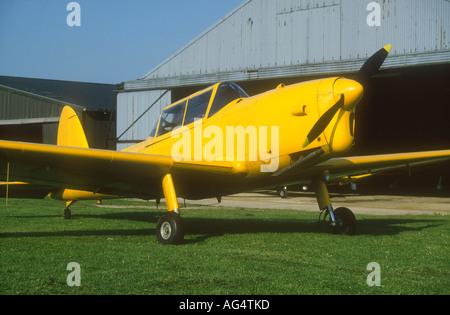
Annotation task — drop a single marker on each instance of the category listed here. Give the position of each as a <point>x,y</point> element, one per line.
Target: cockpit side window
<point>152,133</point>
<point>197,106</point>
<point>171,118</point>
<point>226,93</point>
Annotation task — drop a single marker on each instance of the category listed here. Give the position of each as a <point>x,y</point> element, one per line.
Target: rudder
<point>70,131</point>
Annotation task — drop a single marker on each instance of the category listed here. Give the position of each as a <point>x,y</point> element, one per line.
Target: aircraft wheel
<point>345,221</point>
<point>283,192</point>
<point>170,230</point>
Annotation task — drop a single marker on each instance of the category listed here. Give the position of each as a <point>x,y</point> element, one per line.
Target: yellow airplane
<point>216,142</point>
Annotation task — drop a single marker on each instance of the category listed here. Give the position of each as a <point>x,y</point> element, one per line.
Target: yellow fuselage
<point>293,109</point>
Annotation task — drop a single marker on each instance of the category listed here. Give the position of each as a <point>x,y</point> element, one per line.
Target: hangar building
<point>264,42</point>
<point>30,109</point>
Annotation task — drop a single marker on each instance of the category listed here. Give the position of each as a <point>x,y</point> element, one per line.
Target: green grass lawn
<point>226,251</point>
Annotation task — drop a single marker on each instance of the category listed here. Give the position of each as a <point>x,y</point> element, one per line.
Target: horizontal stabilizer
<point>23,190</point>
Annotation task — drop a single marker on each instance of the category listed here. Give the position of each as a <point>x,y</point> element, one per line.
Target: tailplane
<point>70,131</point>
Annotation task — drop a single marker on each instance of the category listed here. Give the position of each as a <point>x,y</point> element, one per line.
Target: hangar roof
<point>20,107</point>
<point>92,96</point>
<point>266,39</point>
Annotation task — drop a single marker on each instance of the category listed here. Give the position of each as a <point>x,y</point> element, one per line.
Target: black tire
<point>170,229</point>
<point>283,193</point>
<point>345,221</point>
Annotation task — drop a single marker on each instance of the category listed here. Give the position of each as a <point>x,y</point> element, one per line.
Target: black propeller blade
<point>323,122</point>
<point>374,63</point>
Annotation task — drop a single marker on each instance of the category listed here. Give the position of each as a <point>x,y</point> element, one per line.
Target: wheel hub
<point>166,230</point>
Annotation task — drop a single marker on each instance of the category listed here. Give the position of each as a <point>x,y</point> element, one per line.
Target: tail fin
<point>70,131</point>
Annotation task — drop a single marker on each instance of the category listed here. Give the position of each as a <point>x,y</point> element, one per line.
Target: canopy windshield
<point>226,93</point>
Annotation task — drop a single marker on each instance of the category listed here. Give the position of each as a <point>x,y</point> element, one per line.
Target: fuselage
<point>266,129</point>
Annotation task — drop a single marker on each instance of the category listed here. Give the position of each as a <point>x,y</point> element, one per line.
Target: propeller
<point>323,122</point>
<point>374,63</point>
<point>354,91</point>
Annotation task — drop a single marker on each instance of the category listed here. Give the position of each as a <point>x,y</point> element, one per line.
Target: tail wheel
<point>170,230</point>
<point>345,221</point>
<point>67,214</point>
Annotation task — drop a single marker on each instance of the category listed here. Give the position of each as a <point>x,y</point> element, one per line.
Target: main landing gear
<point>170,228</point>
<point>342,220</point>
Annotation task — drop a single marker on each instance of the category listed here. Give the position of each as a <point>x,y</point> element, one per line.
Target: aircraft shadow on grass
<point>204,228</point>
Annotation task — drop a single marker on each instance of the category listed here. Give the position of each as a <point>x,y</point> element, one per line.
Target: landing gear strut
<point>342,220</point>
<point>170,228</point>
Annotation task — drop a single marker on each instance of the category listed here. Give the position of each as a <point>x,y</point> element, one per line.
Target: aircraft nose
<point>352,90</point>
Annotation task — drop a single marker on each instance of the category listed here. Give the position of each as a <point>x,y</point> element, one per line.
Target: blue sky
<point>118,40</point>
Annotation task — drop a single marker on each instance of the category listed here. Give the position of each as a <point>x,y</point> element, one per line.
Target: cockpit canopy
<point>195,107</point>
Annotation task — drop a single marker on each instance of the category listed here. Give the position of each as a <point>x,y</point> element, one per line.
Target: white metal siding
<point>131,105</point>
<point>264,38</point>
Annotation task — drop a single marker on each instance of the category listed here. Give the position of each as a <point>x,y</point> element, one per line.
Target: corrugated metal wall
<point>27,107</point>
<point>29,117</point>
<point>130,106</point>
<point>267,38</point>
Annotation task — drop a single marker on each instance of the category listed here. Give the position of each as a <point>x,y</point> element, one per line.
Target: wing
<point>100,171</point>
<point>138,175</point>
<point>373,164</point>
